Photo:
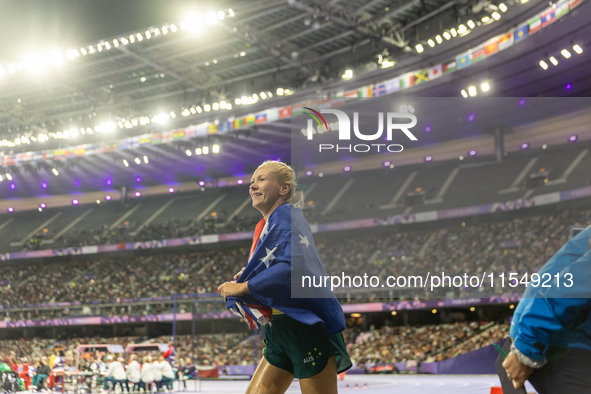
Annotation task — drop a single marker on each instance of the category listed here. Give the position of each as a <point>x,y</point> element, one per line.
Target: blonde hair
<point>285,174</point>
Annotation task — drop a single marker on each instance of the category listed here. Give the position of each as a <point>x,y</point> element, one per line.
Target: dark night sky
<point>30,25</point>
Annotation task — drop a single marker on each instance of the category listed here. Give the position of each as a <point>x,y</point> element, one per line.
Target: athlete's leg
<point>323,383</point>
<point>269,379</point>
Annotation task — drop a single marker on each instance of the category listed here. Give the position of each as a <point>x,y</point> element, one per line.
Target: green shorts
<point>301,349</point>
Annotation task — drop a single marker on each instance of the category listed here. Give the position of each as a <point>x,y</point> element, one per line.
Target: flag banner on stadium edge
<point>534,24</point>
<point>505,41</point>
<point>561,8</point>
<point>435,72</point>
<point>284,112</point>
<point>520,32</point>
<point>212,129</point>
<point>491,46</point>
<point>421,76</point>
<point>449,67</point>
<point>156,139</point>
<point>574,3</point>
<point>477,54</point>
<point>407,80</point>
<point>463,60</point>
<point>548,16</point>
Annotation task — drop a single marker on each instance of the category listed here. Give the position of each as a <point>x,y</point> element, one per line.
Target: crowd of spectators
<point>455,250</point>
<point>390,344</point>
<point>386,345</point>
<point>128,232</point>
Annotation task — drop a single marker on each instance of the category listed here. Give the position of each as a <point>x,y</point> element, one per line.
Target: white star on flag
<point>265,231</point>
<point>304,240</point>
<point>269,257</point>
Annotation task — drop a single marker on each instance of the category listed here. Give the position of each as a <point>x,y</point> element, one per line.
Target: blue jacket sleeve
<point>554,316</point>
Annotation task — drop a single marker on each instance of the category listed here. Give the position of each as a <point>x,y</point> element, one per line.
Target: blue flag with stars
<point>285,253</point>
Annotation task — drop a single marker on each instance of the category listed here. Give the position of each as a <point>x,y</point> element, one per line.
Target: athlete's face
<point>267,194</point>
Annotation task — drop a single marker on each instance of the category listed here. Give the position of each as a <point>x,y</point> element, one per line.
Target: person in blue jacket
<point>551,327</point>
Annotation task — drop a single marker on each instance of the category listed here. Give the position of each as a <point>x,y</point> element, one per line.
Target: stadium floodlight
<point>137,194</point>
<point>503,7</point>
<point>198,109</point>
<point>462,29</point>
<point>577,48</point>
<point>438,39</point>
<point>139,37</point>
<point>419,48</point>
<point>137,160</point>
<point>116,43</point>
<point>131,38</point>
<point>173,28</point>
<point>237,101</point>
<point>543,64</point>
<point>525,145</point>
<point>431,42</point>
<point>8,176</point>
<point>553,60</point>
<point>485,19</point>
<point>348,74</point>
<point>496,16</point>
<point>83,51</point>
<point>472,91</point>
<point>228,106</point>
<point>309,173</point>
<point>472,153</point>
<point>55,172</point>
<point>171,189</point>
<point>148,34</point>
<point>471,24</point>
<point>240,181</point>
<point>573,138</point>
<point>201,183</point>
<point>207,107</point>
<point>221,15</point>
<point>280,91</point>
<point>186,112</point>
<point>453,32</point>
<point>446,35</point>
<point>386,164</point>
<point>215,106</point>
<point>565,53</point>
<point>205,150</point>
<point>263,95</point>
<point>10,209</point>
<point>464,93</point>
<point>165,30</point>
<point>198,151</point>
<point>193,110</point>
<point>188,152</point>
<point>42,205</point>
<point>347,168</point>
<point>428,159</point>
<point>146,160</point>
<point>215,148</point>
<point>108,198</point>
<point>107,45</point>
<point>223,104</point>
<point>485,86</point>
<point>75,202</point>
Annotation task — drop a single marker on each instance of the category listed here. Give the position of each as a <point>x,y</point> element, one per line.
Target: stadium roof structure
<point>300,46</point>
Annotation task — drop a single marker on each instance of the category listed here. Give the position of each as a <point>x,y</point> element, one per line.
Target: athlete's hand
<point>238,274</point>
<point>231,289</point>
<point>516,371</point>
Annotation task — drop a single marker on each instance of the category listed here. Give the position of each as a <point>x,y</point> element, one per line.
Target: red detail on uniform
<point>257,234</point>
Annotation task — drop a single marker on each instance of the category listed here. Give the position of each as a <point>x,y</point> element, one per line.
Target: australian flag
<point>283,253</point>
